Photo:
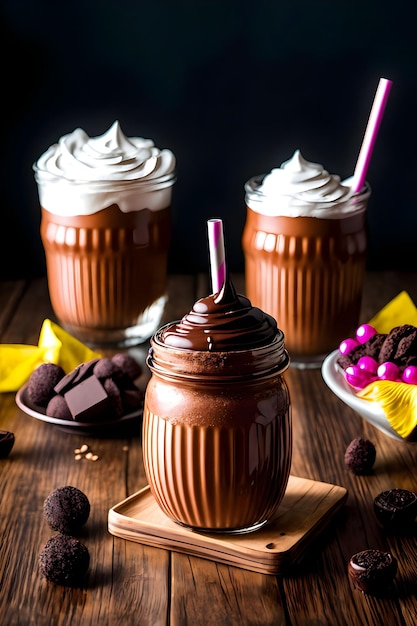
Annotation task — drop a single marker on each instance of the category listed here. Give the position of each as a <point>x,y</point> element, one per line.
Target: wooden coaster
<point>307,508</point>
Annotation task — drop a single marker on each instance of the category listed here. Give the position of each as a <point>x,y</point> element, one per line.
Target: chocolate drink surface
<point>217,432</point>
<point>106,231</point>
<point>305,242</point>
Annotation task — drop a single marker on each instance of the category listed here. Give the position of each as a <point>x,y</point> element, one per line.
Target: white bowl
<point>334,378</point>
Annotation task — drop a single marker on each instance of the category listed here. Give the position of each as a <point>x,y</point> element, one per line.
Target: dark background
<point>232,87</point>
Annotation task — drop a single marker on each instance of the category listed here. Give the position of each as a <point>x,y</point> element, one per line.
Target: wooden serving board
<point>307,508</point>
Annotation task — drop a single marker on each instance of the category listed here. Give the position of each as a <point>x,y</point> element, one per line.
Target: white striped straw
<point>371,132</point>
<point>217,254</point>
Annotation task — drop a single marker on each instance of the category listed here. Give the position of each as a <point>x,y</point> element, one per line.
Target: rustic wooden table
<point>131,583</point>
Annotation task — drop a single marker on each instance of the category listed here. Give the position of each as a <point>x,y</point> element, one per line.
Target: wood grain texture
<point>306,510</point>
<point>129,583</point>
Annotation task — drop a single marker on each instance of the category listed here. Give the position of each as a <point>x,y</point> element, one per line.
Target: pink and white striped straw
<point>374,122</point>
<point>217,254</point>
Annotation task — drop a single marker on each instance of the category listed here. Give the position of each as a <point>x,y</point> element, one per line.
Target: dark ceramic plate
<point>97,428</point>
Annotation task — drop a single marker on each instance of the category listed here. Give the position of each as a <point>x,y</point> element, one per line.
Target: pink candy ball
<point>368,364</point>
<point>364,333</point>
<point>347,345</point>
<point>410,375</point>
<point>388,371</point>
<point>357,377</point>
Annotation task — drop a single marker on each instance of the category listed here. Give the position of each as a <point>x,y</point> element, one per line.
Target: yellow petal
<point>401,310</point>
<point>397,400</point>
<point>16,364</point>
<point>17,361</point>
<point>63,348</point>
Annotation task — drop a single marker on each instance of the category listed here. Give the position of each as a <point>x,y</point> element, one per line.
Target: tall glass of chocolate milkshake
<point>106,229</point>
<point>305,242</point>
<point>217,431</point>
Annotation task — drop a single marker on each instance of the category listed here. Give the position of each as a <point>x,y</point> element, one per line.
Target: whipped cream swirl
<point>81,175</point>
<point>300,188</point>
<point>222,322</point>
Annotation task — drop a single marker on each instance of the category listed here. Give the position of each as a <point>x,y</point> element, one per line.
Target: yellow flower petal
<point>17,361</point>
<point>63,348</point>
<point>397,400</point>
<point>400,310</point>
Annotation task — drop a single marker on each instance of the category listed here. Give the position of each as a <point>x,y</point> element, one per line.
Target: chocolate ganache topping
<point>222,322</point>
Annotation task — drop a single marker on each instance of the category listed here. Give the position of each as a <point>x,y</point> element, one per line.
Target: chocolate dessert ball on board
<point>66,509</point>
<point>42,381</point>
<point>372,571</point>
<point>360,456</point>
<point>64,560</point>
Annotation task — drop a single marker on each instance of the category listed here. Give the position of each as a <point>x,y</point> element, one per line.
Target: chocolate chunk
<point>360,456</point>
<point>396,509</point>
<point>88,401</point>
<point>75,376</point>
<point>407,347</point>
<point>370,348</point>
<point>373,345</point>
<point>344,360</point>
<point>398,343</point>
<point>410,360</point>
<point>6,443</point>
<point>372,571</point>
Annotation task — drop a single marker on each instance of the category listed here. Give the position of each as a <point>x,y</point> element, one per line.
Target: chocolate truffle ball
<point>372,571</point>
<point>360,456</point>
<point>132,400</point>
<point>128,365</point>
<point>64,560</point>
<point>115,397</point>
<point>42,382</point>
<point>57,407</point>
<point>66,509</point>
<point>396,509</point>
<point>106,368</point>
<point>6,443</point>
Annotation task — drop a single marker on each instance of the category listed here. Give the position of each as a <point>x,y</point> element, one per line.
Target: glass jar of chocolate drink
<point>305,243</point>
<point>106,231</point>
<point>217,431</point>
